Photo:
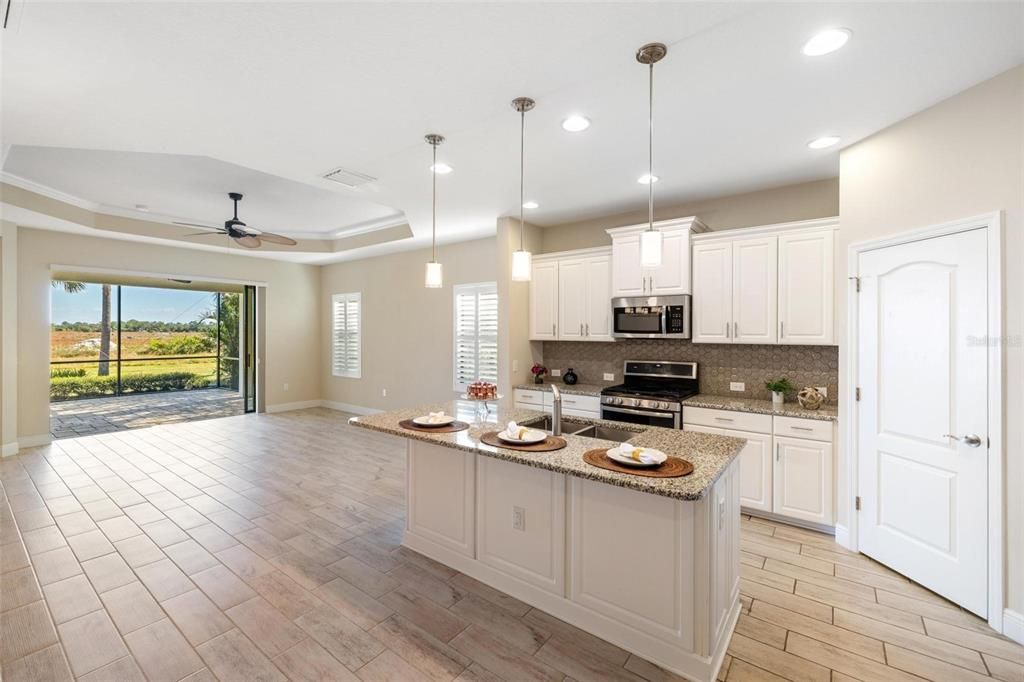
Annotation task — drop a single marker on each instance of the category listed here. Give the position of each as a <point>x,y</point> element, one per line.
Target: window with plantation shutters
<point>346,329</point>
<point>476,333</point>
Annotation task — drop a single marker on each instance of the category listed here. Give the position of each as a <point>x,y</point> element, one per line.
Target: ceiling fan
<point>243,234</point>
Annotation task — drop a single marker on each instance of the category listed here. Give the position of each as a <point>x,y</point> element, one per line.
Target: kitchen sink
<point>605,433</point>
<point>572,428</point>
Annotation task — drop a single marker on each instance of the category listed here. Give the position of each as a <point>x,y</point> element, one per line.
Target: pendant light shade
<point>650,239</point>
<point>522,260</point>
<point>434,278</point>
<point>650,248</point>
<point>435,275</point>
<point>522,266</point>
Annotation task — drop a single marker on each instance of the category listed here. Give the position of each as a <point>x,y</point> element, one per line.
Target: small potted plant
<point>779,388</point>
<point>538,370</point>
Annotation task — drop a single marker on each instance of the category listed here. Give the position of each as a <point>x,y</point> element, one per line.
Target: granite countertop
<point>829,413</point>
<point>709,454</point>
<point>575,389</point>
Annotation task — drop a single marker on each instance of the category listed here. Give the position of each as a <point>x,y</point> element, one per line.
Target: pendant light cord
<point>522,175</point>
<point>650,151</point>
<point>433,208</point>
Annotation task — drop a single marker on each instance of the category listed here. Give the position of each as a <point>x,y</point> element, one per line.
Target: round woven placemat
<point>547,445</point>
<point>672,468</point>
<point>447,428</point>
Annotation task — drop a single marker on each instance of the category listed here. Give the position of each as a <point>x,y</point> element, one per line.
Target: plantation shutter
<point>346,346</point>
<point>476,333</point>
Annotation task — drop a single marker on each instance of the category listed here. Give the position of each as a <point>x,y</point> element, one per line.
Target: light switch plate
<point>556,372</point>
<point>737,386</point>
<point>608,376</point>
<point>518,518</point>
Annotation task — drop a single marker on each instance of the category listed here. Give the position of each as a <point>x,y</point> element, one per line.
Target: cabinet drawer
<point>581,403</point>
<point>795,427</point>
<point>529,397</point>
<point>725,419</point>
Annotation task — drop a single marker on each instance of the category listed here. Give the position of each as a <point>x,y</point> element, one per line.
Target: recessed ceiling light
<point>576,123</point>
<point>530,204</point>
<point>647,179</point>
<point>823,142</point>
<point>827,41</point>
<point>441,168</point>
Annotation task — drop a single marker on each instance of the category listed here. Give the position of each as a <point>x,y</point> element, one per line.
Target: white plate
<point>615,455</point>
<point>529,438</point>
<point>427,420</point>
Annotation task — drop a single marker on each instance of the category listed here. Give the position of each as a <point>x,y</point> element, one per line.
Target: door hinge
<point>856,503</point>
<point>857,394</point>
<point>856,282</point>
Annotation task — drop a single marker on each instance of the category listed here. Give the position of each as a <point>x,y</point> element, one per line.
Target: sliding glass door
<point>249,353</point>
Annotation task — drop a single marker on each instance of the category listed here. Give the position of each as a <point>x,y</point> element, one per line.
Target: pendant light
<point>650,239</point>
<point>434,277</point>
<point>522,260</point>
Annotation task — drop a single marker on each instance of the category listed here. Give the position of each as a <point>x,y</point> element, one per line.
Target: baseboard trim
<point>800,523</point>
<point>1013,625</point>
<point>8,449</point>
<point>34,441</point>
<point>843,536</point>
<point>346,407</point>
<point>288,407</point>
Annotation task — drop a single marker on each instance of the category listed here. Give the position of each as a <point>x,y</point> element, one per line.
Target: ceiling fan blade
<point>202,234</point>
<point>277,239</point>
<point>248,242</point>
<point>207,227</point>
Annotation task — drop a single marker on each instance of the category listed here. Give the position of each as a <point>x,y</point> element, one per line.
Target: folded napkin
<point>435,417</point>
<point>635,453</point>
<point>515,431</point>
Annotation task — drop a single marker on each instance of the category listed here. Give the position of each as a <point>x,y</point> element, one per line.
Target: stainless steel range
<point>651,393</point>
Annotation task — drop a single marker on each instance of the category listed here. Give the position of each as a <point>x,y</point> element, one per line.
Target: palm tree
<point>76,287</point>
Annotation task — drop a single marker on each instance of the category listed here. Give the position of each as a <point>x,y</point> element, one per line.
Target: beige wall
<point>407,328</point>
<point>516,353</point>
<point>818,199</point>
<point>8,337</point>
<point>292,300</point>
<point>960,158</point>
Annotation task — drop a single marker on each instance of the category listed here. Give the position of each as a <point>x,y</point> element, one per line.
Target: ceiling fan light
<point>650,248</point>
<point>434,277</point>
<point>522,265</point>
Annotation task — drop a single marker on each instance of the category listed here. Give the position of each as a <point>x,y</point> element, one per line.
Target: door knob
<point>970,440</point>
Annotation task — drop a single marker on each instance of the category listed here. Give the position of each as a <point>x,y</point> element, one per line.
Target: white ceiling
<point>293,90</point>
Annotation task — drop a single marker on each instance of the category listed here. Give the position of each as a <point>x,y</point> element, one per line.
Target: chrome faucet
<point>556,411</point>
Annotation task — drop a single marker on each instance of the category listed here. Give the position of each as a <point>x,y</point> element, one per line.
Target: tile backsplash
<point>717,364</point>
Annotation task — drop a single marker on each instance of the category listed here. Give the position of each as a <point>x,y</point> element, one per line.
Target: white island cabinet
<point>653,571</point>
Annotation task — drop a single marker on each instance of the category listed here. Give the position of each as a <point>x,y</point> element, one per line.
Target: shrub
<point>68,388</point>
<point>67,372</point>
<point>179,345</point>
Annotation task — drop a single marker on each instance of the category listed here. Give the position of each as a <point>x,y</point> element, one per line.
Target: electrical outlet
<point>518,518</point>
<point>608,376</point>
<point>823,390</point>
<point>556,372</point>
<point>286,387</point>
<point>737,386</point>
<point>383,393</point>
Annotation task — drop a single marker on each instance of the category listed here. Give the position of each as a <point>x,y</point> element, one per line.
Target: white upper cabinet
<point>672,277</point>
<point>806,288</point>
<point>765,285</point>
<point>570,296</point>
<point>544,301</point>
<point>754,290</point>
<point>712,285</point>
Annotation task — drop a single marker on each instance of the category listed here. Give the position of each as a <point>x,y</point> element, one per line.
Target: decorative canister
<point>570,377</point>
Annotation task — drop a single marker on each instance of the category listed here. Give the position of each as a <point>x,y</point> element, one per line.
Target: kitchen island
<point>649,564</point>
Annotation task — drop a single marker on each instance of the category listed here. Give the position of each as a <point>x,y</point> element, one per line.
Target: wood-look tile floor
<point>267,548</point>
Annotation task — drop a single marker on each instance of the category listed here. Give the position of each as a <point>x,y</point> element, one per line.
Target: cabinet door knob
<point>552,329</point>
<point>588,329</point>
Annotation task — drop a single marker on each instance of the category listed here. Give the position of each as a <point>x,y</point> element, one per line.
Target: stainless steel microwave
<point>651,317</point>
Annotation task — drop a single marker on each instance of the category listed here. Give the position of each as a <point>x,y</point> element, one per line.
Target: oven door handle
<point>644,413</point>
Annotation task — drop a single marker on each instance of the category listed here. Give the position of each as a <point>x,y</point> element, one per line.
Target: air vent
<point>348,178</point>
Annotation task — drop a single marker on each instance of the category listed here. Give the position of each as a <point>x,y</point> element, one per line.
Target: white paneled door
<point>923,446</point>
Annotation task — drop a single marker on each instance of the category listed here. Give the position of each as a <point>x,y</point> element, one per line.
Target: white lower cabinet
<point>803,481</point>
<point>785,467</point>
<point>654,575</point>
